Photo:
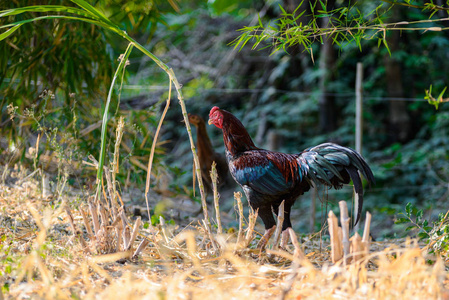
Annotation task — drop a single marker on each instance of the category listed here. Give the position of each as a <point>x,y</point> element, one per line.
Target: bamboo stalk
<point>187,124</point>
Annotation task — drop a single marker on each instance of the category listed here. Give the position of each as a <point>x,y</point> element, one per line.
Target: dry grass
<point>41,257</point>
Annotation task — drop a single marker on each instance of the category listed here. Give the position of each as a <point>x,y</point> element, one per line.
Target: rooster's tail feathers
<point>334,165</point>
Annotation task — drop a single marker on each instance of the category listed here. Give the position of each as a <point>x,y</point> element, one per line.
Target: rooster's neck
<point>236,138</point>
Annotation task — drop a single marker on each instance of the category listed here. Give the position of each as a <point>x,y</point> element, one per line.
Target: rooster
<point>207,155</point>
<point>268,178</point>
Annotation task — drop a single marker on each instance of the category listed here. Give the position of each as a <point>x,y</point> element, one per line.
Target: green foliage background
<point>74,61</point>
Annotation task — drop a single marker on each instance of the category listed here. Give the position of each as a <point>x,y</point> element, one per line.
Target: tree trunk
<point>328,114</point>
<point>399,129</point>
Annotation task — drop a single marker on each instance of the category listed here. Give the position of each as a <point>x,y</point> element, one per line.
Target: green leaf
<point>419,215</point>
<point>402,220</point>
<point>121,66</point>
<point>10,31</point>
<point>408,209</point>
<point>260,20</point>
<point>384,40</point>
<point>423,235</point>
<point>283,10</point>
<point>86,6</point>
<point>44,8</point>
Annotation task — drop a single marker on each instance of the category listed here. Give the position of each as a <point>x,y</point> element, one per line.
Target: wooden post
<point>358,124</point>
<point>358,108</point>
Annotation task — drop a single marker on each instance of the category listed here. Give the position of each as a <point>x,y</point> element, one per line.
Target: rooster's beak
<point>209,122</point>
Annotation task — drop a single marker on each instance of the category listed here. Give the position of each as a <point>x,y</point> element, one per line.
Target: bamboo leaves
<point>343,25</point>
<point>7,33</point>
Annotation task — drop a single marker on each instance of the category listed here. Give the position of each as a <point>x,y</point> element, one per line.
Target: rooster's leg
<point>266,237</point>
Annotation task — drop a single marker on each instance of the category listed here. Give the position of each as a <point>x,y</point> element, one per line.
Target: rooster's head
<point>216,117</point>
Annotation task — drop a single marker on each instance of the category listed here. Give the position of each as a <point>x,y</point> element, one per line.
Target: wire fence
<point>272,90</point>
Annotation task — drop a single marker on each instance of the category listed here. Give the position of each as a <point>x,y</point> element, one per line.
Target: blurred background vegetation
<point>55,74</point>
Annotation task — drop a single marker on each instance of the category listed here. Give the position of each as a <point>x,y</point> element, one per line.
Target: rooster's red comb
<point>213,110</point>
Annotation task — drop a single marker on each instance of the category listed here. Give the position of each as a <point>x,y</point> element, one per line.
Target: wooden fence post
<point>358,123</point>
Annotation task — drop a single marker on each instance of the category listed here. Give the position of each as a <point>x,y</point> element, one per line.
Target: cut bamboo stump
<point>280,221</point>
<point>352,249</point>
<point>336,245</point>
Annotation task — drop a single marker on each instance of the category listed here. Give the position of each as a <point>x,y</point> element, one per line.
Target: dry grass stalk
<point>336,246</point>
<point>94,215</point>
<point>118,141</point>
<point>238,198</point>
<point>214,177</point>
<point>290,279</point>
<point>344,220</point>
<point>20,181</point>
<point>111,192</point>
<point>140,248</point>
<point>76,231</point>
<point>252,219</point>
<point>162,224</point>
<point>86,223</point>
<point>46,191</point>
<point>110,235</point>
<point>153,148</point>
<point>126,236</point>
<point>280,221</point>
<point>210,235</point>
<point>187,271</point>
